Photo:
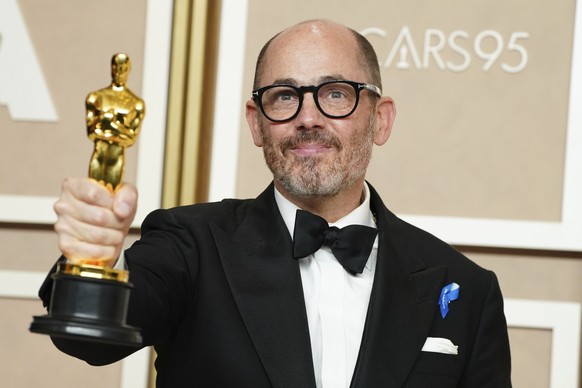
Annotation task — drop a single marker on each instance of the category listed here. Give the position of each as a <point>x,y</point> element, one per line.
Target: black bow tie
<point>350,245</point>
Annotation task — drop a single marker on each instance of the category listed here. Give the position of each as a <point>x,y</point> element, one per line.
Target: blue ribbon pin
<point>448,294</point>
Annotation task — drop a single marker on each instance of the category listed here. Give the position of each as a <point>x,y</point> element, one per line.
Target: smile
<point>310,149</point>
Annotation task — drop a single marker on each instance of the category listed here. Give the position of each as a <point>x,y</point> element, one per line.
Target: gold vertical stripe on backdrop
<point>176,103</point>
<point>195,29</point>
<point>191,101</point>
<point>195,94</point>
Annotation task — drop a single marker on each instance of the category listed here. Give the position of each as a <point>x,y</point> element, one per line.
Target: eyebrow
<point>332,77</point>
<point>285,81</point>
<point>293,81</point>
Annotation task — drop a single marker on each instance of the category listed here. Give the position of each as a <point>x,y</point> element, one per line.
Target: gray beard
<point>310,176</point>
<point>312,181</point>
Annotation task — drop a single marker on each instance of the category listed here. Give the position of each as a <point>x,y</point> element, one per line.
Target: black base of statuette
<point>88,309</point>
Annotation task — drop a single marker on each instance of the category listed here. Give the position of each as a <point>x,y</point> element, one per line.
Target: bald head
<point>312,32</point>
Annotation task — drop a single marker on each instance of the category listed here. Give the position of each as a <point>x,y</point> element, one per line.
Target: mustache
<point>320,137</point>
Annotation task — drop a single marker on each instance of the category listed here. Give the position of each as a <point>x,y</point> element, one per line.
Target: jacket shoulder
<point>225,213</point>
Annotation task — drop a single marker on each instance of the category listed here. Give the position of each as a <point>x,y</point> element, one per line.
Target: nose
<point>309,116</point>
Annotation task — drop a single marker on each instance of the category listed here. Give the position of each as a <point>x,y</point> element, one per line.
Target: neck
<point>331,208</point>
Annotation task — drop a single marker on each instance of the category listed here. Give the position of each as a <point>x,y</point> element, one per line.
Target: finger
<point>125,202</point>
<point>88,190</point>
<point>70,227</point>
<point>76,250</point>
<point>83,242</point>
<point>70,207</point>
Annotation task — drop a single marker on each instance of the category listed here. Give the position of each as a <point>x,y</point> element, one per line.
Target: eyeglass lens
<point>335,99</point>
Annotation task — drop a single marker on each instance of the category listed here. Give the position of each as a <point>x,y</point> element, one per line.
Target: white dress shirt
<point>336,301</point>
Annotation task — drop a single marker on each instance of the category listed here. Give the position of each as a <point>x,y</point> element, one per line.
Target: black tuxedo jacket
<point>219,295</point>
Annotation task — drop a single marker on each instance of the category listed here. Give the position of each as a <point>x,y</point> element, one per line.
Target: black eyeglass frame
<point>257,96</point>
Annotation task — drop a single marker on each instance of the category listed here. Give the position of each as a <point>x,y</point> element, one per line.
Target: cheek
<point>272,134</point>
<point>353,133</point>
<point>264,135</point>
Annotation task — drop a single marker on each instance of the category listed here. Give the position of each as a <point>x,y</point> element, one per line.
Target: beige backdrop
<point>75,59</point>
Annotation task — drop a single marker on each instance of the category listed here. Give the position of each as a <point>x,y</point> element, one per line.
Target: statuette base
<point>88,309</point>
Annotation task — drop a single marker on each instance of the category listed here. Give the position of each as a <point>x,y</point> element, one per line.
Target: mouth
<point>310,144</point>
<point>310,149</point>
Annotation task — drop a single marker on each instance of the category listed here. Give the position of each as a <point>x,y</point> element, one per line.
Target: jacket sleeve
<point>489,364</point>
<point>162,267</point>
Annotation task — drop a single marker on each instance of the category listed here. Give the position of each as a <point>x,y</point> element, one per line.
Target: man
<point>218,290</point>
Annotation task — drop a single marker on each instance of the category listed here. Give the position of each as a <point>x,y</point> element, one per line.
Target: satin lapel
<point>402,307</point>
<point>266,284</point>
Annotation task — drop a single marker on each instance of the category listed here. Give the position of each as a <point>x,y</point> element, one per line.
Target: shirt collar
<point>362,215</point>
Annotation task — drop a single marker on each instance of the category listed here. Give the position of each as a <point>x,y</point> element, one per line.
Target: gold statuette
<point>89,299</point>
<point>114,117</point>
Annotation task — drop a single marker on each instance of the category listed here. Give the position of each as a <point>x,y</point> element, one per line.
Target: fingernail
<point>123,209</point>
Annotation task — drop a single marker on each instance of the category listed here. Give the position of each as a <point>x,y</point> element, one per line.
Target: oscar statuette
<point>89,297</point>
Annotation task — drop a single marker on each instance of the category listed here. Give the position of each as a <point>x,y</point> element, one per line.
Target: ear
<point>385,114</point>
<point>252,115</point>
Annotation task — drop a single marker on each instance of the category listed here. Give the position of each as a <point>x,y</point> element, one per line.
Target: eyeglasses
<point>335,99</point>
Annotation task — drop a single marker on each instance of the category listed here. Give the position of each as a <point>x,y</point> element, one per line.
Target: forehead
<point>311,52</point>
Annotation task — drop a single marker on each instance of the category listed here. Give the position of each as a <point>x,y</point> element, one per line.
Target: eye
<point>280,95</point>
<point>336,91</point>
<point>285,95</point>
<point>336,94</point>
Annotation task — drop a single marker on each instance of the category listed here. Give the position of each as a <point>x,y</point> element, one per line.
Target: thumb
<point>125,202</point>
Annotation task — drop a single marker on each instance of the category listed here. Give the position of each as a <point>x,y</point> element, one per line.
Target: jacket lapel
<point>402,307</point>
<point>266,284</point>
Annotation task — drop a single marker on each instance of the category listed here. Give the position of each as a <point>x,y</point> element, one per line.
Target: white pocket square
<point>440,345</point>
